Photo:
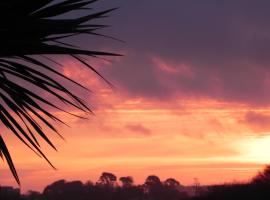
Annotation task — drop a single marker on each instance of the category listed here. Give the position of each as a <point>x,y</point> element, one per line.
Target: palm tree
<point>29,32</point>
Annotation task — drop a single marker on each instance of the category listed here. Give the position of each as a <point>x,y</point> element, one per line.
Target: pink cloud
<point>138,128</point>
<point>257,121</point>
<point>176,69</point>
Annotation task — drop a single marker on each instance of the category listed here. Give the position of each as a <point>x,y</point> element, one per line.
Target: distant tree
<point>152,180</point>
<point>171,183</point>
<point>107,179</point>
<point>262,177</point>
<point>173,190</point>
<point>54,190</point>
<point>126,181</point>
<point>154,188</point>
<point>62,190</point>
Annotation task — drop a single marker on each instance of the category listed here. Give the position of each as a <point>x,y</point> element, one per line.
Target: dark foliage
<point>105,189</point>
<point>28,30</point>
<point>257,188</point>
<point>236,191</point>
<point>262,178</point>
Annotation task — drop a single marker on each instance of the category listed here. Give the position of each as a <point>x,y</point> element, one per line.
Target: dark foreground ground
<point>74,191</point>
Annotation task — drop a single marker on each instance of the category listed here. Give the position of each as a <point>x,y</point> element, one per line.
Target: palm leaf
<point>27,29</point>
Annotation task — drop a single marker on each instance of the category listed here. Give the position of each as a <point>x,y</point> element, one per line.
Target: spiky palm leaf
<point>29,28</point>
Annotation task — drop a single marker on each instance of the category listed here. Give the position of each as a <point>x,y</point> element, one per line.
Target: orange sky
<point>213,141</point>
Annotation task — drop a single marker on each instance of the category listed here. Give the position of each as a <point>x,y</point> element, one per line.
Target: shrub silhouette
<point>262,177</point>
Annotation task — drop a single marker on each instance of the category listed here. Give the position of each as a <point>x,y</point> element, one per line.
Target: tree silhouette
<point>152,180</point>
<point>154,188</point>
<point>126,181</point>
<point>54,190</point>
<point>107,179</point>
<point>173,189</point>
<point>171,183</point>
<point>63,190</point>
<point>263,177</point>
<point>30,87</point>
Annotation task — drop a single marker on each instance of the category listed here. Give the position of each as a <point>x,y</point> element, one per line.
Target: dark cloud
<point>226,44</point>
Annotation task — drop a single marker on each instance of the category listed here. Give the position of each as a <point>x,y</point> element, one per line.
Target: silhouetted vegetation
<point>108,187</point>
<point>257,188</point>
<point>32,33</point>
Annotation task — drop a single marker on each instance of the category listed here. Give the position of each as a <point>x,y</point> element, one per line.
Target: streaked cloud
<point>192,87</point>
<point>138,128</point>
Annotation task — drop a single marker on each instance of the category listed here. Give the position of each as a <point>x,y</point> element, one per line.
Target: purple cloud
<point>226,45</point>
<point>258,122</point>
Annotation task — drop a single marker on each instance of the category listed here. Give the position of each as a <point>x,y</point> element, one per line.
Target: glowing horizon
<point>139,137</point>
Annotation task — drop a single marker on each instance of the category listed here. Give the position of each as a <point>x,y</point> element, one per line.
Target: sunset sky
<point>191,97</point>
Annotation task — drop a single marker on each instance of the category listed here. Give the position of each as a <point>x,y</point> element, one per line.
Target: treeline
<point>108,187</point>
<point>257,189</point>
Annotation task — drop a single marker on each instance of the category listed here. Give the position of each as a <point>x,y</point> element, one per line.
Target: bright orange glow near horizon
<point>184,139</point>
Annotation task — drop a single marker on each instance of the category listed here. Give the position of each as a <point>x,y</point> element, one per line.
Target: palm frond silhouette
<point>28,29</point>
